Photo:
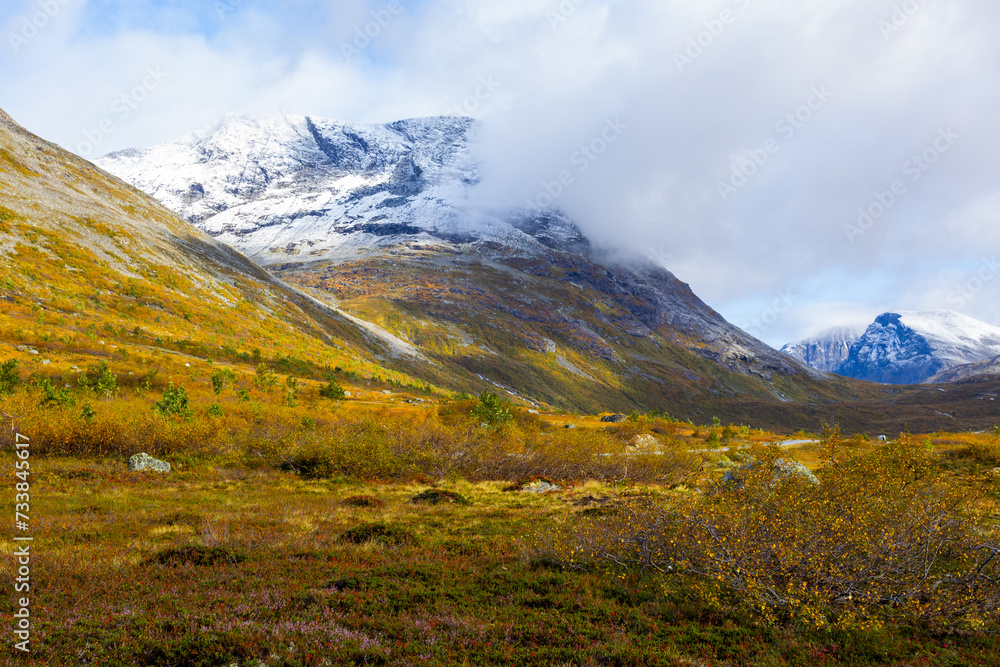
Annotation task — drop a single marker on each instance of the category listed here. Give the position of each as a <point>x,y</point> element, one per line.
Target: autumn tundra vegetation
<point>321,517</point>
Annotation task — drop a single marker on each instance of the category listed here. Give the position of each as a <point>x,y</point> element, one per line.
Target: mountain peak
<point>287,188</point>
<point>887,319</point>
<point>908,347</point>
<point>827,350</point>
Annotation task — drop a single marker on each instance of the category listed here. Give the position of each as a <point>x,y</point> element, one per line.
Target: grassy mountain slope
<point>94,267</point>
<point>541,333</point>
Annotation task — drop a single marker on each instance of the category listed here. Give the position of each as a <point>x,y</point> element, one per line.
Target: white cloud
<point>562,69</point>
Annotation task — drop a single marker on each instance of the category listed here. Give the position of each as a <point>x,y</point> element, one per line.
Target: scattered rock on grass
<point>613,419</point>
<point>645,444</point>
<point>144,461</point>
<point>783,469</point>
<point>438,496</point>
<point>534,485</point>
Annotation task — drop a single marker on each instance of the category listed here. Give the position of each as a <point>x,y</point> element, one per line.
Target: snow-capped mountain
<point>825,351</point>
<point>381,220</point>
<point>911,347</point>
<point>292,188</point>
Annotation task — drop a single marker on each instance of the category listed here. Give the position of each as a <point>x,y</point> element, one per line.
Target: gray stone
<point>613,419</point>
<point>539,487</point>
<point>144,461</point>
<point>645,443</point>
<point>783,469</point>
<point>794,468</point>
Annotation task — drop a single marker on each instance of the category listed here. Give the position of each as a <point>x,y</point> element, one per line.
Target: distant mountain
<point>912,347</point>
<point>825,351</point>
<point>381,220</point>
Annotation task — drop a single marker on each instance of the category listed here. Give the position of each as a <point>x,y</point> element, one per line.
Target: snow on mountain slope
<point>293,188</point>
<point>977,370</point>
<point>911,347</point>
<point>825,351</point>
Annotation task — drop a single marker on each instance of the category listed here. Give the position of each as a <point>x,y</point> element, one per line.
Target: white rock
<point>144,461</point>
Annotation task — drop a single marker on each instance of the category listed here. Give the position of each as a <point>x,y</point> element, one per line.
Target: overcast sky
<point>801,163</point>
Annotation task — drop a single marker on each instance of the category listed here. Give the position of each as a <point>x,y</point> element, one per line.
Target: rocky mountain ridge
<point>912,347</point>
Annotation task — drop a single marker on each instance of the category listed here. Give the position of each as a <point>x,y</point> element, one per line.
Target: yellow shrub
<point>881,538</point>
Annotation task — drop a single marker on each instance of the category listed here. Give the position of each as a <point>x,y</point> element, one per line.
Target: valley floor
<point>214,564</point>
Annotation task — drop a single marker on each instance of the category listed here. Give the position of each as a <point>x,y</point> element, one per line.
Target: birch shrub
<point>881,539</point>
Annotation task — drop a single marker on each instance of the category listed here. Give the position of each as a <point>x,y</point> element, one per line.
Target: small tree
<point>55,396</point>
<point>266,380</point>
<point>221,380</point>
<point>9,377</point>
<point>100,380</point>
<point>291,391</point>
<point>175,402</point>
<point>831,441</point>
<point>491,410</point>
<point>333,391</point>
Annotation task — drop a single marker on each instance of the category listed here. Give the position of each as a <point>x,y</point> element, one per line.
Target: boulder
<point>144,461</point>
<point>539,486</point>
<point>613,419</point>
<point>645,444</point>
<point>534,485</point>
<point>783,469</point>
